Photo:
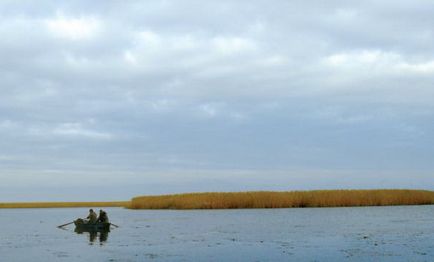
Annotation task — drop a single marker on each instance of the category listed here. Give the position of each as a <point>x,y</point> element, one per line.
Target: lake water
<point>307,234</point>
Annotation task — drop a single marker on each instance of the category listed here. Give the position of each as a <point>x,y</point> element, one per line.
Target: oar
<point>65,224</point>
<point>114,225</point>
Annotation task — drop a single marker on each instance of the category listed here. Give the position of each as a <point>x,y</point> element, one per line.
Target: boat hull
<point>81,225</point>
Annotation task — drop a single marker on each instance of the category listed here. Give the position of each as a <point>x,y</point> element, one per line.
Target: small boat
<point>82,225</point>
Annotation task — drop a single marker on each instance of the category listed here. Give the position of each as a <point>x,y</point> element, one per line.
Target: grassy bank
<point>63,204</point>
<point>265,199</point>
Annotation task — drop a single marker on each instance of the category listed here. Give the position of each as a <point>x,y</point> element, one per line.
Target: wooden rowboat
<point>82,225</point>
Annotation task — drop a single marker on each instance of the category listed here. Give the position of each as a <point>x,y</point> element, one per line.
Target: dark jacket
<point>103,217</point>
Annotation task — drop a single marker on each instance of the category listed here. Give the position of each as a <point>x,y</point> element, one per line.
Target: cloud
<point>378,60</point>
<point>422,67</point>
<point>6,124</point>
<point>77,130</point>
<point>72,28</point>
<point>231,45</point>
<point>209,110</point>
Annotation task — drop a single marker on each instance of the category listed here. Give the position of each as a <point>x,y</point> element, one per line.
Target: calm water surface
<point>309,234</point>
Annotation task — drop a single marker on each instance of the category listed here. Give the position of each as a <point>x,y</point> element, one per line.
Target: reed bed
<point>270,199</point>
<point>63,204</point>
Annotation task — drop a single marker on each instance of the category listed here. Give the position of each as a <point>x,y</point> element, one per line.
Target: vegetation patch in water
<point>272,199</point>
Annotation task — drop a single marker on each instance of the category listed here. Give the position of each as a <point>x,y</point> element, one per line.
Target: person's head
<point>91,210</point>
<point>101,211</point>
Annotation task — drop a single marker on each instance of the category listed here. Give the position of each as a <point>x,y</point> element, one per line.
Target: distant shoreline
<point>63,204</point>
<point>255,199</point>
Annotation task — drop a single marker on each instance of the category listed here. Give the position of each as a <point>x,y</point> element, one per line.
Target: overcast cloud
<point>146,97</point>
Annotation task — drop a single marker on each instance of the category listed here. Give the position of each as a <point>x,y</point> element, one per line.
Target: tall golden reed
<point>269,199</point>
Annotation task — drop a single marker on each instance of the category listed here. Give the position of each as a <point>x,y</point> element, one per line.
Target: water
<point>310,234</point>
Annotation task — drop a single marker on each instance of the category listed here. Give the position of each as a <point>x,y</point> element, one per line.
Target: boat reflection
<point>101,235</point>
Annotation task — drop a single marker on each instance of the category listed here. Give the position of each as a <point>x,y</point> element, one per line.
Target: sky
<point>106,100</point>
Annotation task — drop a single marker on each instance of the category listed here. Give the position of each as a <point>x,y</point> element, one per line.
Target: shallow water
<point>308,234</point>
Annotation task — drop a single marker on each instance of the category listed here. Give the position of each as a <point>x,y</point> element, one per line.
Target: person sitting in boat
<point>103,217</point>
<point>92,217</point>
